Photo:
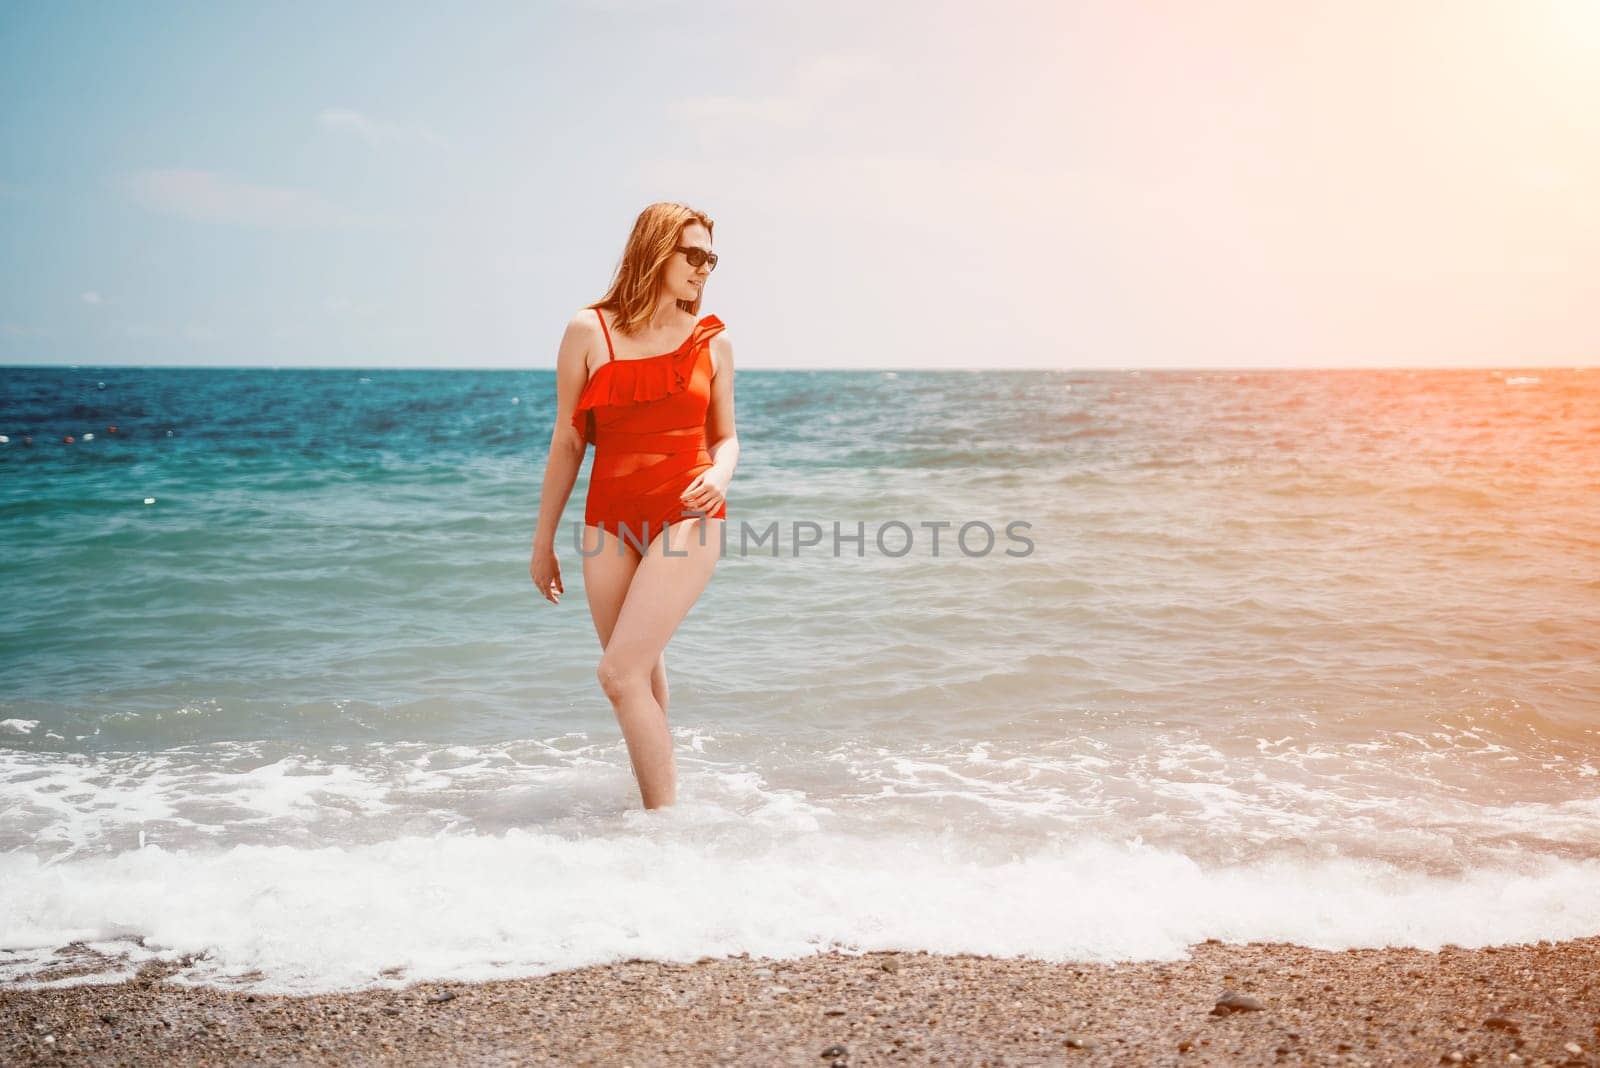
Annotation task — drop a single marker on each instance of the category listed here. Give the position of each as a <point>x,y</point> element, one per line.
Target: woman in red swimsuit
<point>661,420</point>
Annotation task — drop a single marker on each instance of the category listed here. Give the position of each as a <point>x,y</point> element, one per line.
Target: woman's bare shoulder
<point>721,351</point>
<point>585,319</point>
<point>582,335</point>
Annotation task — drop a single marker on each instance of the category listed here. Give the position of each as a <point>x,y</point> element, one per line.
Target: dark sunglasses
<point>696,256</point>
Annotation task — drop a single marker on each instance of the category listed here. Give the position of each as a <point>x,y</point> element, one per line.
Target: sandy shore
<point>1528,1004</point>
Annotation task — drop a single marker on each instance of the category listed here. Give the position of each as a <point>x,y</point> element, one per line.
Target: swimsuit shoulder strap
<point>610,352</point>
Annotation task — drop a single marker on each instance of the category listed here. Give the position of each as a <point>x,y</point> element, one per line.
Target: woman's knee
<point>619,677</point>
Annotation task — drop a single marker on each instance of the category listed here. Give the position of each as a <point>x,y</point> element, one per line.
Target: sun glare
<point>1576,22</point>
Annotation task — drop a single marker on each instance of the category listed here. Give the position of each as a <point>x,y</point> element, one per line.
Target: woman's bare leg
<point>606,575</point>
<point>662,591</point>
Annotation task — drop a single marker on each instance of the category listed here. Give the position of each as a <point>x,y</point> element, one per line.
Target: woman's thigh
<point>609,563</point>
<point>663,589</point>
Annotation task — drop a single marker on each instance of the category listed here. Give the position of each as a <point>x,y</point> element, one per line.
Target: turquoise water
<point>1300,655</point>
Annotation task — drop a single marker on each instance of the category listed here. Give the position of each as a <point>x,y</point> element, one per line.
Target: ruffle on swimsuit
<point>617,383</point>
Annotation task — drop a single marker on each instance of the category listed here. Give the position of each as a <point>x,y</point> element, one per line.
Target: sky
<point>1052,184</point>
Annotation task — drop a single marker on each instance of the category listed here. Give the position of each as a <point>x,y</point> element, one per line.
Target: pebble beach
<point>1228,1004</point>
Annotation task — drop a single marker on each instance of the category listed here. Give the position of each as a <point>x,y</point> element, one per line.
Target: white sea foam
<point>676,886</point>
<point>398,863</point>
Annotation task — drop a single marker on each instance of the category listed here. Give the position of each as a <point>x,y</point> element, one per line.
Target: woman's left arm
<point>709,489</point>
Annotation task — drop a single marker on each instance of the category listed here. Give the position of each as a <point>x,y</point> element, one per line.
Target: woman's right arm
<point>567,447</point>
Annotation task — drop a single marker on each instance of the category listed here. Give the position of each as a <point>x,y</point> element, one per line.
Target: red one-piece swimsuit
<point>647,419</point>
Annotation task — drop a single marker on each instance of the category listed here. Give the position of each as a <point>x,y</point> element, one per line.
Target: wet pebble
<point>1232,1002</point>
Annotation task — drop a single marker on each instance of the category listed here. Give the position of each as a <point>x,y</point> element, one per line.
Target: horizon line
<point>860,369</point>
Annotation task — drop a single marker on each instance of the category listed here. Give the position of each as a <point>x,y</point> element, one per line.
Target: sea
<point>1077,665</point>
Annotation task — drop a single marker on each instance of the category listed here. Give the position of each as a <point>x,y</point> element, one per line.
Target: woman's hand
<point>546,572</point>
<point>707,492</point>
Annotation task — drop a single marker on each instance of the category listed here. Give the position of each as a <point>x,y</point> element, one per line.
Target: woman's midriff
<point>646,494</point>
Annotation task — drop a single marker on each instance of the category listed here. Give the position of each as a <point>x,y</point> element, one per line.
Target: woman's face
<point>686,282</point>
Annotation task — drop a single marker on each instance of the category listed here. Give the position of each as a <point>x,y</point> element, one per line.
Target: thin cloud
<point>337,305</point>
<point>767,110</point>
<point>827,76</point>
<point>91,297</point>
<point>207,196</point>
<point>376,131</point>
<point>142,330</point>
<point>812,93</point>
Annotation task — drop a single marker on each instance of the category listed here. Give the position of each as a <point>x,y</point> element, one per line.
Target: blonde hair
<point>657,233</point>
